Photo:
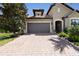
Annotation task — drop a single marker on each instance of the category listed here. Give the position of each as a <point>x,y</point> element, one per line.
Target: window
<point>38,14</point>
<point>58,9</point>
<point>74,21</point>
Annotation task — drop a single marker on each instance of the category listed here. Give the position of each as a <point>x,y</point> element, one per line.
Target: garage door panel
<point>38,27</point>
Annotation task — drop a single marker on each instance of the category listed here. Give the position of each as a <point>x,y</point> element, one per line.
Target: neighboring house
<point>58,17</point>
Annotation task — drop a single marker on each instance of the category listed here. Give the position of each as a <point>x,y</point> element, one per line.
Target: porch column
<point>51,25</point>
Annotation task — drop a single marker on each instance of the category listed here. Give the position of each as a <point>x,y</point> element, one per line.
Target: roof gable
<point>62,4</point>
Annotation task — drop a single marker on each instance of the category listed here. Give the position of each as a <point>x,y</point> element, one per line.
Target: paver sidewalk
<point>39,45</point>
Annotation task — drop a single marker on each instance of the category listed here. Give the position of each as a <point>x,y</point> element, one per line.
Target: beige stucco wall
<point>38,19</point>
<point>67,23</point>
<point>62,12</point>
<point>74,15</point>
<point>57,12</point>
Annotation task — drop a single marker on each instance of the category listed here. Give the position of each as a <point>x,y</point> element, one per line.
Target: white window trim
<point>73,18</point>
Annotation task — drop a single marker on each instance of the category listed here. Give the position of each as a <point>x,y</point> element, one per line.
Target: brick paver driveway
<point>39,45</point>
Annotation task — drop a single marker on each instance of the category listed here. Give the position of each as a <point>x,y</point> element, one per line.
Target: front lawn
<point>4,35</point>
<point>2,42</point>
<point>5,38</point>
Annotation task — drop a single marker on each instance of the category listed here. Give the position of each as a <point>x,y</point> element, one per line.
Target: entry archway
<point>58,26</point>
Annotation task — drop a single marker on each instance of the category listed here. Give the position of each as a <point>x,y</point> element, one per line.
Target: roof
<point>50,8</point>
<point>39,17</point>
<point>34,10</point>
<point>77,11</point>
<point>33,17</point>
<point>62,4</point>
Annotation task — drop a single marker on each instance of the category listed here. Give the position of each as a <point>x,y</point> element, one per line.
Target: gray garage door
<point>38,27</point>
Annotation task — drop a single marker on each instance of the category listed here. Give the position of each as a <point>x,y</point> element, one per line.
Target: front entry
<point>58,26</point>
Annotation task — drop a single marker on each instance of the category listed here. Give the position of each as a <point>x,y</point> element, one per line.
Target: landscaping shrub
<point>62,34</point>
<point>72,34</point>
<point>2,30</point>
<point>76,43</point>
<point>74,30</point>
<point>74,38</point>
<point>66,30</point>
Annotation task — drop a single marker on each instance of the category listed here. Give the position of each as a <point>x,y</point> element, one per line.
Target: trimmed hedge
<point>62,34</point>
<point>74,38</point>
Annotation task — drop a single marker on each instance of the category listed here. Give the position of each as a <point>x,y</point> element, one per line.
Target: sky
<point>45,6</point>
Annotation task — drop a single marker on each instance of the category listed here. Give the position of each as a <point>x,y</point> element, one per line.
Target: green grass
<point>5,34</point>
<point>3,42</point>
<point>76,43</point>
<point>5,38</point>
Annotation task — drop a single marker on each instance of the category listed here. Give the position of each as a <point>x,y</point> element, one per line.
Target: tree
<point>14,16</point>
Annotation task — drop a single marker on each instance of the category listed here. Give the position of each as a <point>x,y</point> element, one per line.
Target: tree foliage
<point>14,15</point>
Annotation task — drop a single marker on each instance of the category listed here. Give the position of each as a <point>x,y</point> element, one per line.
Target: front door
<point>58,26</point>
